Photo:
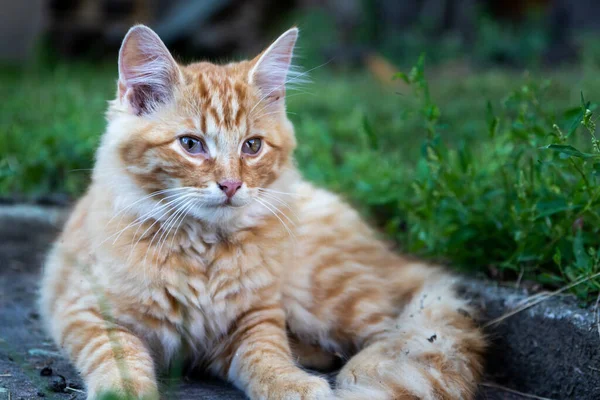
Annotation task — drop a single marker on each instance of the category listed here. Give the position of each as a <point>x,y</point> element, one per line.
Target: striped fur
<point>153,264</point>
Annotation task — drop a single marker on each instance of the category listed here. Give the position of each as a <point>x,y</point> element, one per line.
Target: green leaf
<point>549,279</point>
<point>596,167</point>
<point>588,122</point>
<point>581,257</point>
<point>401,75</point>
<point>371,136</point>
<point>548,208</point>
<point>576,122</point>
<point>464,156</point>
<point>557,258</point>
<point>570,151</point>
<point>433,113</point>
<point>493,121</point>
<point>571,113</point>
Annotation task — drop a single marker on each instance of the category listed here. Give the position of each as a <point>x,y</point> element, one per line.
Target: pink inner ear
<point>147,71</point>
<point>273,66</point>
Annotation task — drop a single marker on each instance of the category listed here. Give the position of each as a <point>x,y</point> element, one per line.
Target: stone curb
<point>551,349</point>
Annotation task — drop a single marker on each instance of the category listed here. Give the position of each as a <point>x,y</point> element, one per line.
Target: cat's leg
<point>432,351</point>
<point>258,360</point>
<point>109,357</point>
<point>312,356</point>
<point>114,361</point>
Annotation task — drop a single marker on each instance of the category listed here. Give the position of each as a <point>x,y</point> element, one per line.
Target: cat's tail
<point>434,352</point>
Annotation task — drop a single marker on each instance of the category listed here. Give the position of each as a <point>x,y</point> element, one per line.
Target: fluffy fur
<point>155,262</point>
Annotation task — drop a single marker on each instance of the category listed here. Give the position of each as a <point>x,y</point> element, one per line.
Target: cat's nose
<point>230,187</point>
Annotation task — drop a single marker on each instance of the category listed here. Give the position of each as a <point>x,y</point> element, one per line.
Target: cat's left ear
<point>272,66</point>
<point>148,73</point>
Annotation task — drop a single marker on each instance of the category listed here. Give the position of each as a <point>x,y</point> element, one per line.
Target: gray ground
<point>30,365</point>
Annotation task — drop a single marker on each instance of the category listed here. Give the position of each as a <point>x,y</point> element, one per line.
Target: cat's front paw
<point>121,395</point>
<point>298,387</point>
<point>143,389</point>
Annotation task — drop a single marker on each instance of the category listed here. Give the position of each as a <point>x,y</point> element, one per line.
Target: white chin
<point>214,214</point>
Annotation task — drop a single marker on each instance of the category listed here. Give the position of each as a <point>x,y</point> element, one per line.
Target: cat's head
<point>203,136</point>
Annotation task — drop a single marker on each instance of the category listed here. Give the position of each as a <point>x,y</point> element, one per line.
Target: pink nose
<point>230,187</point>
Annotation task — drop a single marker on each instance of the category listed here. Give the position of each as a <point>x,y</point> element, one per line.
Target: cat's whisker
<point>273,112</point>
<point>149,196</point>
<point>155,210</point>
<point>276,198</point>
<point>153,194</point>
<point>284,193</point>
<point>142,218</point>
<point>266,106</point>
<point>275,89</point>
<point>140,225</point>
<point>91,169</point>
<point>156,207</point>
<point>161,228</point>
<point>289,231</point>
<point>164,227</point>
<point>139,220</point>
<point>292,80</point>
<point>187,211</point>
<point>177,203</point>
<point>177,221</point>
<point>269,196</point>
<point>277,209</point>
<point>300,93</point>
<point>161,232</point>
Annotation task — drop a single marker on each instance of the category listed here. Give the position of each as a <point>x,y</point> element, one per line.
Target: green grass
<point>50,123</point>
<point>457,169</point>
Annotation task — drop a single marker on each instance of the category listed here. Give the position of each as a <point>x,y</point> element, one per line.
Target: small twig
<point>518,282</point>
<point>529,396</point>
<point>539,300</point>
<point>74,390</point>
<point>529,299</point>
<point>585,179</point>
<point>594,369</point>
<point>5,375</point>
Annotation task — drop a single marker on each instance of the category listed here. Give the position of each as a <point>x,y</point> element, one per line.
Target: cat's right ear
<point>147,71</point>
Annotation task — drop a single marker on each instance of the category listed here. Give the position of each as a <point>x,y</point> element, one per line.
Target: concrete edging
<point>551,349</point>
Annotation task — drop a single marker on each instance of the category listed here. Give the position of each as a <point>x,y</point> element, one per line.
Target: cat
<point>198,236</point>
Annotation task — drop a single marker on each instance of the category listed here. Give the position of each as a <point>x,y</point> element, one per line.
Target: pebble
<point>57,384</point>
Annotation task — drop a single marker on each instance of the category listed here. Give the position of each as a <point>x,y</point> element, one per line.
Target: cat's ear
<point>147,71</point>
<point>272,67</point>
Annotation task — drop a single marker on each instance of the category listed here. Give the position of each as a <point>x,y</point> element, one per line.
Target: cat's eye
<point>252,146</point>
<point>192,145</point>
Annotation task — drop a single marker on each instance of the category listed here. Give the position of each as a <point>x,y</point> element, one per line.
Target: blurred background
<point>463,129</point>
<point>513,33</point>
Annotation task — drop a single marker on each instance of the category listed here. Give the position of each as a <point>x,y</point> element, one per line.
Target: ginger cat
<point>198,236</point>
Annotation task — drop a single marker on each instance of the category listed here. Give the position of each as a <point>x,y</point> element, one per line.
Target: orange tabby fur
<point>153,262</point>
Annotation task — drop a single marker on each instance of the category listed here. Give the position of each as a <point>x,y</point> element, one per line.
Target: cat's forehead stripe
<point>222,102</point>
